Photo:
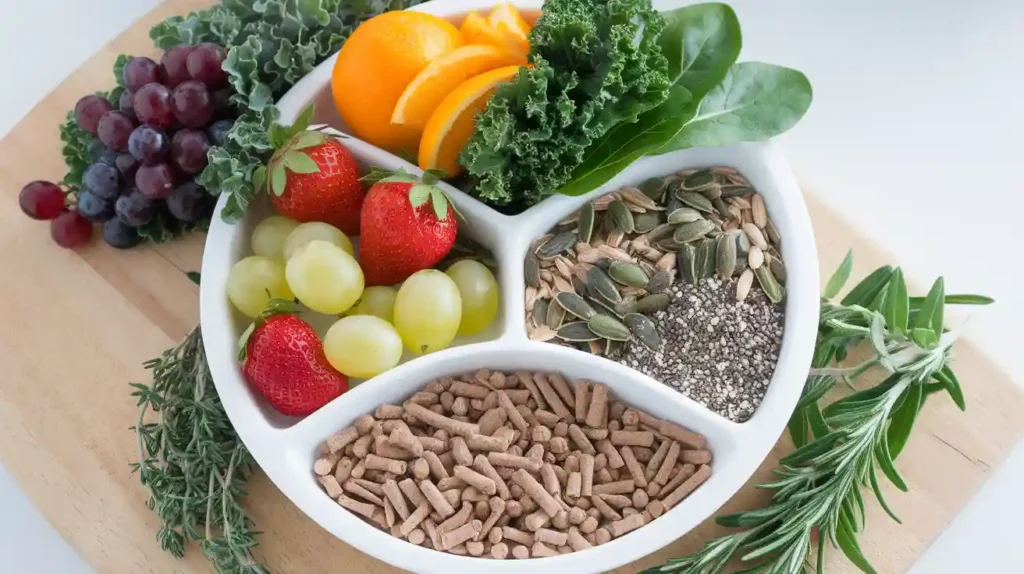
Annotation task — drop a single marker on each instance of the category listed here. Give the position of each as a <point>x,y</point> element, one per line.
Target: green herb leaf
<point>885,463</point>
<point>817,421</point>
<point>798,427</point>
<point>866,291</point>
<point>814,449</point>
<point>930,315</point>
<point>947,377</point>
<point>897,304</point>
<point>278,179</point>
<point>194,276</point>
<point>701,42</point>
<point>299,162</point>
<point>924,338</point>
<point>959,299</point>
<point>839,277</point>
<point>903,420</point>
<point>847,542</point>
<point>259,177</point>
<point>881,498</point>
<point>119,64</point>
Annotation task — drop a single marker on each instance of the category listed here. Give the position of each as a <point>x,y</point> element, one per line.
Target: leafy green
<point>594,65</point>
<point>839,277</point>
<point>75,148</point>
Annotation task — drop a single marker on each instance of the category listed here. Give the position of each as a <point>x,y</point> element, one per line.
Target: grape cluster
<point>147,152</point>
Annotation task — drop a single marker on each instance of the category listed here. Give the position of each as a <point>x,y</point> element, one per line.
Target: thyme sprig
<point>192,462</point>
<point>843,447</point>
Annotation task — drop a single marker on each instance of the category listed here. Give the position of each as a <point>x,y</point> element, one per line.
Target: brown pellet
<point>617,501</point>
<point>552,398</point>
<point>536,520</point>
<point>552,537</point>
<point>520,552</point>
<point>495,509</point>
<point>668,464</point>
<point>358,470</point>
<point>331,485</point>
<point>437,470</point>
<point>589,525</point>
<point>527,380</point>
<point>516,535</point>
<point>360,491</point>
<point>343,470</point>
<point>633,466</point>
<point>539,550</point>
<point>551,484</point>
<point>486,443</point>
<point>626,525</point>
<point>582,399</point>
<point>576,540</point>
<point>598,404</point>
<point>436,499</point>
<point>574,485</point>
<point>587,470</point>
<point>361,447</point>
<point>442,422</point>
<point>656,508</point>
<point>606,511</point>
<point>471,494</point>
<point>536,492</point>
<point>456,520</point>
<point>411,491</point>
<point>386,411</point>
<point>374,462</point>
<point>491,420</point>
<point>686,472</point>
<point>600,462</point>
<point>602,536</point>
<point>558,445</point>
<point>394,494</point>
<point>484,467</point>
<point>460,451</point>
<point>696,456</point>
<point>632,438</point>
<point>473,478</point>
<point>324,466</point>
<point>513,509</point>
<point>513,415</point>
<point>512,461</point>
<point>460,534</point>
<point>469,390</point>
<point>580,440</point>
<point>363,424</point>
<point>402,438</point>
<point>606,448</point>
<point>450,482</point>
<point>363,508</point>
<point>687,487</point>
<point>678,433</point>
<point>339,440</point>
<point>499,551</point>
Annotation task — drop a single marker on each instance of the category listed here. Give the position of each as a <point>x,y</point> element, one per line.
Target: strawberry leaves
<point>422,190</point>
<point>289,141</point>
<point>276,306</point>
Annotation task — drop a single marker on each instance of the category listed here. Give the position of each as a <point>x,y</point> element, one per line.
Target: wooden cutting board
<point>77,326</point>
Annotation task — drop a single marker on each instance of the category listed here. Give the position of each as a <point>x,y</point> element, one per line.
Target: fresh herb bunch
<point>843,447</point>
<point>192,462</point>
<point>271,45</point>
<point>594,64</point>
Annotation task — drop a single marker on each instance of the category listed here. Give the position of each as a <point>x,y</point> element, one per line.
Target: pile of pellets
<point>523,465</point>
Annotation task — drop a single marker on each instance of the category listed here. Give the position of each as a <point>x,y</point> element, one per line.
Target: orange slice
<point>445,73</point>
<point>505,13</point>
<point>501,37</point>
<point>452,123</point>
<point>471,26</point>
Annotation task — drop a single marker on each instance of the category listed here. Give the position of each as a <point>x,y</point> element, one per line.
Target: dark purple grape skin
<point>135,209</point>
<point>175,65</point>
<point>89,110</point>
<point>102,179</point>
<point>100,153</point>
<point>95,208</point>
<point>119,235</point>
<point>41,200</point>
<point>148,144</point>
<point>222,106</point>
<point>126,164</point>
<point>192,104</point>
<point>204,64</point>
<point>70,229</point>
<point>153,106</point>
<point>127,104</point>
<point>188,150</point>
<point>218,131</point>
<point>188,202</point>
<point>140,71</point>
<point>155,181</point>
<point>114,128</point>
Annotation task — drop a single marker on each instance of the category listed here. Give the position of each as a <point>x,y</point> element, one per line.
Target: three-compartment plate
<point>285,448</point>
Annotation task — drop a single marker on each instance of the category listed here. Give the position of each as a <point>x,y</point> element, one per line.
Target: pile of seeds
<point>499,465</point>
<point>598,280</point>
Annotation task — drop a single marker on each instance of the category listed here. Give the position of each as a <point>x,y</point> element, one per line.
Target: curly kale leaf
<point>75,147</point>
<point>595,64</point>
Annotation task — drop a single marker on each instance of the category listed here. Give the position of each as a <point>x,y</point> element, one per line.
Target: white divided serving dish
<point>285,448</point>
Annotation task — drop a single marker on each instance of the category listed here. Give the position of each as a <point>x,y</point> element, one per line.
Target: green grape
<point>324,277</point>
<point>479,292</point>
<point>378,301</point>
<point>268,236</point>
<point>362,346</point>
<point>306,232</point>
<point>253,281</point>
<point>427,311</point>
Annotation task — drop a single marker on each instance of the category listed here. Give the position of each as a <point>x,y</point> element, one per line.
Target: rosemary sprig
<point>192,462</point>
<point>843,447</point>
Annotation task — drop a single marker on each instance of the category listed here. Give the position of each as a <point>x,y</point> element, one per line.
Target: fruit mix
<point>148,148</point>
<point>439,77</point>
<point>390,299</point>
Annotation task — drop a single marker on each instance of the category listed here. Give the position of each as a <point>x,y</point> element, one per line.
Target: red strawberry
<point>312,177</point>
<point>282,358</point>
<point>407,225</point>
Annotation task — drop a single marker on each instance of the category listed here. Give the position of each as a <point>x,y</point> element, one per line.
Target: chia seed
<point>716,351</point>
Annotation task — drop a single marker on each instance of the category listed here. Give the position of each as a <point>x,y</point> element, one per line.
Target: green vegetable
<point>713,101</point>
<point>595,64</point>
<point>819,486</point>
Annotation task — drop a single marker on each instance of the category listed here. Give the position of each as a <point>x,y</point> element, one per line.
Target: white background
<point>914,133</point>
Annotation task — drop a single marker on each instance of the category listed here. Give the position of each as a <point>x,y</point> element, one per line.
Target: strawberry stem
<point>276,306</point>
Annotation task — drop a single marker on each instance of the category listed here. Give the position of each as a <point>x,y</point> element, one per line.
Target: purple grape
<point>218,131</point>
<point>222,105</point>
<point>41,200</point>
<point>188,150</point>
<point>127,104</point>
<point>204,64</point>
<point>70,229</point>
<point>192,104</point>
<point>175,64</point>
<point>103,180</point>
<point>155,181</point>
<point>188,202</point>
<point>94,208</point>
<point>135,209</point>
<point>140,71</point>
<point>148,144</point>
<point>153,106</point>
<point>89,110</point>
<point>119,235</point>
<point>126,164</point>
<point>114,129</point>
<point>100,153</point>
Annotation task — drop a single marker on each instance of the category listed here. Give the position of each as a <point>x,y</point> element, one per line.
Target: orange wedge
<point>445,73</point>
<point>506,14</point>
<point>501,37</point>
<point>452,123</point>
<point>471,26</point>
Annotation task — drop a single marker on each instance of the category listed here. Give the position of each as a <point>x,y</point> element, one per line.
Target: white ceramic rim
<point>286,451</point>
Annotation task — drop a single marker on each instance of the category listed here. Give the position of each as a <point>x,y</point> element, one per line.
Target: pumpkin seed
<point>721,207</point>
<point>704,264</point>
<point>627,274</point>
<point>578,285</point>
<point>651,303</point>
<point>540,311</point>
<point>758,210</point>
<point>602,285</point>
<point>608,327</point>
<point>696,201</point>
<point>594,347</point>
<point>667,245</point>
<point>685,263</point>
<point>736,190</point>
<point>725,256</point>
<point>644,222</point>
<point>673,204</point>
<point>644,329</point>
<point>662,231</point>
<point>742,244</point>
<point>576,332</point>
<point>654,188</point>
<point>684,215</point>
<point>777,268</point>
<point>712,192</point>
<point>755,235</point>
<point>532,272</point>
<point>586,223</point>
<point>771,287</point>
<point>635,197</point>
<point>659,282</point>
<point>542,333</point>
<point>557,245</point>
<point>618,309</point>
<point>743,285</point>
<point>613,348</point>
<point>620,216</point>
<point>576,305</point>
<point>773,233</point>
<point>554,316</point>
<point>699,180</point>
<point>692,231</point>
<point>756,258</point>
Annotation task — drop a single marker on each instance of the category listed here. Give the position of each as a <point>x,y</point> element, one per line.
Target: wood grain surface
<point>77,325</point>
